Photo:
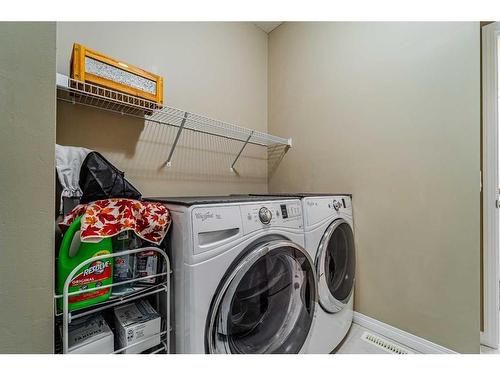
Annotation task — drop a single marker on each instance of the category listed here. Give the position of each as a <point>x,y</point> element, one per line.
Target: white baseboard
<point>411,341</point>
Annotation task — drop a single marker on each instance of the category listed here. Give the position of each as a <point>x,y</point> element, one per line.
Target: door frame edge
<point>491,254</point>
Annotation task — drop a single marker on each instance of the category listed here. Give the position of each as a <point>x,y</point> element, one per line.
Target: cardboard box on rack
<point>90,335</point>
<point>137,324</point>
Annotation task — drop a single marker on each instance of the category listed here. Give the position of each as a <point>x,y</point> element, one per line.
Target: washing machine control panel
<point>282,214</point>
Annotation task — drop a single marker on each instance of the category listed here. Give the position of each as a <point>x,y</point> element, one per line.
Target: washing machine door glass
<point>335,266</point>
<point>265,304</point>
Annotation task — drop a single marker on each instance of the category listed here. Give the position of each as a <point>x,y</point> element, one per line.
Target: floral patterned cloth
<point>108,217</point>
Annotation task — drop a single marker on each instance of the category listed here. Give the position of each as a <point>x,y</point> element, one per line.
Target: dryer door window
<point>335,266</point>
<point>265,303</point>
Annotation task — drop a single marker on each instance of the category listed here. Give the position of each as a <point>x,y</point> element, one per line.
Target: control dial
<point>337,205</point>
<point>265,215</point>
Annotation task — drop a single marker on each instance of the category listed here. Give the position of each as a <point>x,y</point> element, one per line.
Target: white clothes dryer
<point>329,239</point>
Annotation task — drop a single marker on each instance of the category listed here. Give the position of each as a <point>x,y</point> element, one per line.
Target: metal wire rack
<point>83,93</point>
<point>163,287</point>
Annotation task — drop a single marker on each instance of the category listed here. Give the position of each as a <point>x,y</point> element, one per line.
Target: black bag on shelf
<point>99,179</point>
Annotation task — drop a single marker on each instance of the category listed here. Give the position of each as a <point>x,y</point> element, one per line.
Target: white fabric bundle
<point>68,164</point>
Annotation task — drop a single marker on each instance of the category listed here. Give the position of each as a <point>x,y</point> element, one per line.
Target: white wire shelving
<point>77,92</point>
<point>161,287</point>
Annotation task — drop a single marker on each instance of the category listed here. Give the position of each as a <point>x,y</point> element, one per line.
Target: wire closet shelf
<point>77,92</point>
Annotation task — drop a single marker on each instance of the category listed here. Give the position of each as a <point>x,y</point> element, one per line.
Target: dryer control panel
<point>276,214</point>
<point>319,209</point>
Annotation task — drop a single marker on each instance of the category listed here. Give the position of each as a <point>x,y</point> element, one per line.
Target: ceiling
<point>267,26</point>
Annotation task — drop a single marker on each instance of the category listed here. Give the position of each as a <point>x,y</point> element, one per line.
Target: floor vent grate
<point>384,344</point>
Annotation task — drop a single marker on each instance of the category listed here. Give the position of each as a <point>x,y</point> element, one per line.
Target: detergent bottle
<point>92,275</point>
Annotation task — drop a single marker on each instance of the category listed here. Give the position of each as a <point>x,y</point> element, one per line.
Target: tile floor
<point>488,350</point>
<point>353,344</point>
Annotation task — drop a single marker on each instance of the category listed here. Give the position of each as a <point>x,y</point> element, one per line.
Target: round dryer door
<point>265,304</point>
<point>335,266</point>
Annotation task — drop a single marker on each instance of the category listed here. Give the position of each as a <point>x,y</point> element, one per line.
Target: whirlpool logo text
<point>203,216</point>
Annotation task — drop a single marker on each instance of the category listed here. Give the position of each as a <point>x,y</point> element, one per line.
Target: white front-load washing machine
<point>329,239</point>
<point>243,282</point>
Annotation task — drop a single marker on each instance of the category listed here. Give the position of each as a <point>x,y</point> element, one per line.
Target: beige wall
<point>27,136</point>
<point>391,113</point>
<point>216,69</point>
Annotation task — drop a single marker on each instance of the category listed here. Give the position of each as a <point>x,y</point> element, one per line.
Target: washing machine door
<point>335,266</point>
<point>266,302</point>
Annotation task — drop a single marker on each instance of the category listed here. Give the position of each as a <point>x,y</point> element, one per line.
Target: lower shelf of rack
<point>116,300</point>
<point>161,348</point>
